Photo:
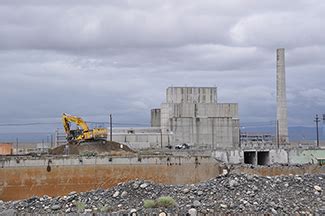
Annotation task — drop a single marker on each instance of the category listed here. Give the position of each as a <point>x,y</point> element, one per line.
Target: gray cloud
<point>94,57</point>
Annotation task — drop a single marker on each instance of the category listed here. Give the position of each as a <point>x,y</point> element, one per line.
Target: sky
<point>92,58</point>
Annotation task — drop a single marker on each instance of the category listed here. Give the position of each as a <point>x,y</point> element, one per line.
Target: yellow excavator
<point>82,133</point>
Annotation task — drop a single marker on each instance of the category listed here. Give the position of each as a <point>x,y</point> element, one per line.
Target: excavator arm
<point>66,119</point>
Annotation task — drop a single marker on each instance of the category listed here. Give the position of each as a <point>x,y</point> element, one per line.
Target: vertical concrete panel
<point>155,117</point>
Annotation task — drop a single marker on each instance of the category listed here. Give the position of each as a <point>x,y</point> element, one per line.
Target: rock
<point>144,185</point>
<point>274,211</point>
<point>119,205</point>
<point>124,194</point>
<point>254,188</point>
<point>133,212</point>
<point>199,193</point>
<point>223,206</point>
<point>162,214</point>
<point>317,188</point>
<point>116,194</point>
<point>192,212</point>
<point>233,183</point>
<point>196,203</point>
<point>186,190</point>
<point>135,185</point>
<point>72,193</point>
<point>55,207</point>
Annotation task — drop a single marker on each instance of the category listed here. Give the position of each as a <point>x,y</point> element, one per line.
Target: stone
<point>55,207</point>
<point>233,183</point>
<point>274,211</point>
<point>162,214</point>
<point>133,211</point>
<point>124,194</point>
<point>72,193</point>
<point>199,193</point>
<point>317,188</point>
<point>192,212</point>
<point>223,206</point>
<point>186,190</point>
<point>196,203</point>
<point>144,185</point>
<point>116,194</point>
<point>135,185</point>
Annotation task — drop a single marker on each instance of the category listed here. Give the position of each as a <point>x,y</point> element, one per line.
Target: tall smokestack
<point>281,99</point>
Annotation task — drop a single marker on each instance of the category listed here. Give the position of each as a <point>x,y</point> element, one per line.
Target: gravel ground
<point>235,193</point>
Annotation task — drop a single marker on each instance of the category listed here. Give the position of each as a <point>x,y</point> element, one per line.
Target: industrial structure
<point>281,99</point>
<point>189,115</point>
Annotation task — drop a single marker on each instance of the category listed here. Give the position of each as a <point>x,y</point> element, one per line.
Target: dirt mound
<point>98,147</point>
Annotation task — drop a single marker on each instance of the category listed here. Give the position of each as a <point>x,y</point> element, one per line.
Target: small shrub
<point>80,206</point>
<point>166,201</point>
<point>149,204</point>
<point>105,208</point>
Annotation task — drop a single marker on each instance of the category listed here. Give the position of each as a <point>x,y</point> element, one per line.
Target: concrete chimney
<point>281,99</point>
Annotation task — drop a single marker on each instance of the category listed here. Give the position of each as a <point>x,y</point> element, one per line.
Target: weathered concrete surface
<point>276,156</point>
<point>281,98</point>
<point>18,182</point>
<point>280,170</point>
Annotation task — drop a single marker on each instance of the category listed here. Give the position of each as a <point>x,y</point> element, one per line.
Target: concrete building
<point>189,115</point>
<point>192,115</point>
<point>281,99</point>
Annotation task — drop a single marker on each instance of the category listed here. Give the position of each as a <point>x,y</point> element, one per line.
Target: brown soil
<point>98,147</point>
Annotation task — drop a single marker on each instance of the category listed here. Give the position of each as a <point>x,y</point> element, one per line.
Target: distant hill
<point>295,133</point>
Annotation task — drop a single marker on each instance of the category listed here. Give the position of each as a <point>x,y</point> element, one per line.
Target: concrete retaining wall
<point>58,176</point>
<point>276,156</point>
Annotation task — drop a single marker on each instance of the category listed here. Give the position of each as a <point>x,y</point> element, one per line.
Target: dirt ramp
<point>98,147</point>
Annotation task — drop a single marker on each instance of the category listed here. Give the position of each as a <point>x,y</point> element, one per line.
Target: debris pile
<point>235,193</point>
<point>98,148</point>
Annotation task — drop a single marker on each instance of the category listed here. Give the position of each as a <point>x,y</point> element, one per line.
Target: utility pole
<point>317,120</point>
<point>17,152</point>
<point>110,128</point>
<point>277,134</point>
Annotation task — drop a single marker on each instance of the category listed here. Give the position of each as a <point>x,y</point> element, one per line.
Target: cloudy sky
<point>91,58</point>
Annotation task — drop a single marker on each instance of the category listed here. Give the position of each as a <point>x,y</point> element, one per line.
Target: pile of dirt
<point>98,148</point>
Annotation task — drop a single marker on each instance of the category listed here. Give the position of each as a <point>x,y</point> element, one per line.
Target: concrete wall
<point>191,95</point>
<point>276,156</point>
<point>205,132</point>
<point>155,117</point>
<point>298,156</point>
<point>146,140</point>
<point>200,110</point>
<point>64,175</point>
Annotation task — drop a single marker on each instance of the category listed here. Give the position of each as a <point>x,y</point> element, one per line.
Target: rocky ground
<point>235,193</point>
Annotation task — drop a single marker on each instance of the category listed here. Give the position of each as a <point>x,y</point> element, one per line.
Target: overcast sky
<point>91,58</point>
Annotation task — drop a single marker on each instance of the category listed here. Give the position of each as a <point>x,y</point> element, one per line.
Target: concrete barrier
<point>25,177</point>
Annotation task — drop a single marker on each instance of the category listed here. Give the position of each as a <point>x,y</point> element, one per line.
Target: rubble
<point>234,193</point>
<point>93,148</point>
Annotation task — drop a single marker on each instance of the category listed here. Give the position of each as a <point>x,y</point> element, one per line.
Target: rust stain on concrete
<point>24,182</point>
